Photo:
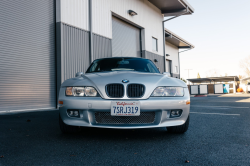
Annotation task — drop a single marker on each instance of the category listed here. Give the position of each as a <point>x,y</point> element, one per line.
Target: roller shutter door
<point>194,89</point>
<point>169,66</point>
<point>125,39</point>
<point>27,55</point>
<point>218,88</point>
<point>203,89</point>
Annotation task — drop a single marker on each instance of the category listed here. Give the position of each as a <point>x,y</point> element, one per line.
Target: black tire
<point>67,128</point>
<point>179,129</point>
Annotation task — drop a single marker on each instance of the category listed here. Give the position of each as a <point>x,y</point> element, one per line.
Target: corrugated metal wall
<point>102,47</point>
<point>27,55</point>
<point>74,51</point>
<point>75,12</point>
<point>126,39</point>
<point>152,57</point>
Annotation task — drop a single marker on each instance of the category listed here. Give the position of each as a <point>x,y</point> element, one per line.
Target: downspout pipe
<point>90,33</point>
<point>163,27</point>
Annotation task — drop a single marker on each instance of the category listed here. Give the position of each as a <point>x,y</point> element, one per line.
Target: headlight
<point>168,91</point>
<point>81,91</point>
<point>90,91</point>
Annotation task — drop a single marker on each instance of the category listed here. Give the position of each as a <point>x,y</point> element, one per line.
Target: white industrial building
<point>44,42</point>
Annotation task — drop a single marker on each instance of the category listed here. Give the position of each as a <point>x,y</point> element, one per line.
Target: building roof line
<point>245,79</point>
<point>173,7</point>
<point>214,79</point>
<point>187,5</point>
<point>173,35</point>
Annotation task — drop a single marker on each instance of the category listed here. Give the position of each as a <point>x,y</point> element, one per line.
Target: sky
<point>220,31</point>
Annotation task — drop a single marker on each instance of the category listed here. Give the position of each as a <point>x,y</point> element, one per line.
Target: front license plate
<point>125,108</point>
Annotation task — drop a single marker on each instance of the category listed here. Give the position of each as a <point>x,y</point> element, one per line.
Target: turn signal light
<point>60,102</point>
<point>188,102</point>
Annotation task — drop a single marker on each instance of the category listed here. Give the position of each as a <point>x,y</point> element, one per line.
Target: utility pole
<point>188,74</point>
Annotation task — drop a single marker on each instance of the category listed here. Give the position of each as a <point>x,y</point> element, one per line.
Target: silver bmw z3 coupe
<point>123,93</point>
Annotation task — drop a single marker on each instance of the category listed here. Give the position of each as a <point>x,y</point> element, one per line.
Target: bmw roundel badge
<point>125,81</point>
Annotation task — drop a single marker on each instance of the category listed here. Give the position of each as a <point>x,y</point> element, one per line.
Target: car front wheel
<point>179,129</point>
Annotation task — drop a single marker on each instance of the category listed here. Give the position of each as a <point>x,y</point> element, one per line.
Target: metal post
<point>90,33</point>
<point>234,86</point>
<point>164,54</point>
<point>188,73</point>
<point>179,65</point>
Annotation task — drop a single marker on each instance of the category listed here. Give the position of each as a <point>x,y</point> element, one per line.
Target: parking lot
<point>219,134</point>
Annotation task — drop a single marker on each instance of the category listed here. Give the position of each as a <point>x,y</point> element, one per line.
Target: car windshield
<point>122,64</point>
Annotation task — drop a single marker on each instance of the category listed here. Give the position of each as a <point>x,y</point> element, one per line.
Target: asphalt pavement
<point>219,134</point>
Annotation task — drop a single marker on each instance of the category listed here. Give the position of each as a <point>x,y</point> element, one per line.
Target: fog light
<point>175,113</point>
<point>73,113</point>
<point>76,113</point>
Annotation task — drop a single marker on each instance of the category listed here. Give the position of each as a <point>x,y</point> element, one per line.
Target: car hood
<point>100,80</point>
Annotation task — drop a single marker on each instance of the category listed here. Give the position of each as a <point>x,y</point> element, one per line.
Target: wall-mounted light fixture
<point>155,60</point>
<point>167,55</point>
<point>132,13</point>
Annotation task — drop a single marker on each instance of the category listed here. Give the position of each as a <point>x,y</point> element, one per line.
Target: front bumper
<point>88,106</point>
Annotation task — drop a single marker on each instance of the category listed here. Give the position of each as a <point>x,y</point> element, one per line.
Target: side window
<point>151,68</point>
<point>154,44</point>
<point>93,67</point>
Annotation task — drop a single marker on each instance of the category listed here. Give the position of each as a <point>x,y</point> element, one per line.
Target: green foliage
<point>184,80</point>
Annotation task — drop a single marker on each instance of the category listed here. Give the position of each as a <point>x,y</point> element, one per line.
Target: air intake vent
<point>106,118</point>
<point>135,90</point>
<point>115,90</point>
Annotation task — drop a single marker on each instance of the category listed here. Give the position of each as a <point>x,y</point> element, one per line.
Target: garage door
<point>27,55</point>
<point>218,88</point>
<point>125,39</point>
<point>203,89</point>
<point>194,89</point>
<point>168,66</point>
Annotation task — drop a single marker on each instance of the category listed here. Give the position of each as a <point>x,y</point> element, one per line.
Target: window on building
<point>154,44</point>
<point>176,69</point>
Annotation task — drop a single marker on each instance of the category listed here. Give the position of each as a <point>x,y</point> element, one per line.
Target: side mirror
<point>79,74</point>
<point>166,73</point>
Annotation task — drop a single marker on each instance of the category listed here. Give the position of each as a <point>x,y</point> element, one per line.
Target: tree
<point>184,80</point>
<point>198,76</point>
<point>245,65</point>
<point>240,77</point>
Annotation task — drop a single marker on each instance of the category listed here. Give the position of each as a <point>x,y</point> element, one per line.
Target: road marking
<point>215,113</point>
<point>217,106</point>
<point>243,101</point>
